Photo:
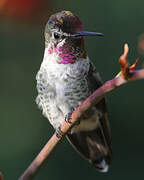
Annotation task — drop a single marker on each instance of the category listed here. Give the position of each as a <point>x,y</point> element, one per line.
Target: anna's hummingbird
<point>65,79</point>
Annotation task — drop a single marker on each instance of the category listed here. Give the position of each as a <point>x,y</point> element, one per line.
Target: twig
<point>127,74</point>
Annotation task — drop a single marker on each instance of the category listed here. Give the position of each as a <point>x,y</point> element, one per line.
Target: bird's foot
<point>68,116</point>
<point>58,132</point>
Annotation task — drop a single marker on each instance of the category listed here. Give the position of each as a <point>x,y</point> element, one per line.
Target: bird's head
<point>64,35</point>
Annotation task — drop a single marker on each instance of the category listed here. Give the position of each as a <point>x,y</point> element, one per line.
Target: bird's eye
<point>56,36</point>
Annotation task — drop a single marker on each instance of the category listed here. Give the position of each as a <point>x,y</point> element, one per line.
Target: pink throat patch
<point>65,57</point>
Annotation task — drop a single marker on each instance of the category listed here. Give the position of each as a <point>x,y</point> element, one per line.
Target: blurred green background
<point>23,129</point>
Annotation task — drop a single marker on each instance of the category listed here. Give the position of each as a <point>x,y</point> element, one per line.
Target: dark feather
<point>95,145</point>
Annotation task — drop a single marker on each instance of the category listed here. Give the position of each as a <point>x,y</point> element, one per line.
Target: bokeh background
<point>23,129</point>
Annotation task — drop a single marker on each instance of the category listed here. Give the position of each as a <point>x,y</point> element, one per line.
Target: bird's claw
<point>68,116</point>
<point>58,132</point>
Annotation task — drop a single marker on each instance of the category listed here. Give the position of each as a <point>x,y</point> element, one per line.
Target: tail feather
<point>93,147</point>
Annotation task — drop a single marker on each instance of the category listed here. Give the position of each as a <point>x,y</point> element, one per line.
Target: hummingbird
<point>65,79</point>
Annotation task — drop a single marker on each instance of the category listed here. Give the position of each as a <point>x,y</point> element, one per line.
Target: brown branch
<point>1,176</point>
<point>127,74</point>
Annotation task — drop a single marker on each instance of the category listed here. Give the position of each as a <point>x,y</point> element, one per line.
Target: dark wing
<point>95,145</point>
<point>94,82</point>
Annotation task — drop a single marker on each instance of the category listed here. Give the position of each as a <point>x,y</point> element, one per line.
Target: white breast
<point>66,88</point>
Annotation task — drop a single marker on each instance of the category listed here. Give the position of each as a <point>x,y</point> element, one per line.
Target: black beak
<point>85,33</point>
